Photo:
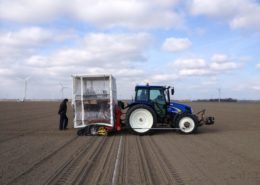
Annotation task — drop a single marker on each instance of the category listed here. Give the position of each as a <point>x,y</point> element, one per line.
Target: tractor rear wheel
<point>140,119</point>
<point>187,124</point>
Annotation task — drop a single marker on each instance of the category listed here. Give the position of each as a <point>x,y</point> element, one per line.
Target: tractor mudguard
<point>136,103</point>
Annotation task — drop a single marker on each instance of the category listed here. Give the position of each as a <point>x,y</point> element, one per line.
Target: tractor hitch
<point>202,120</point>
<point>209,120</point>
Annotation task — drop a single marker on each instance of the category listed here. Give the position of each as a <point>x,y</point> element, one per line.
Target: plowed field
<point>33,150</point>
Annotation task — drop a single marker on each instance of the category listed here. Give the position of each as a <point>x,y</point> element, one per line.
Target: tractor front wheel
<point>187,124</point>
<point>140,119</point>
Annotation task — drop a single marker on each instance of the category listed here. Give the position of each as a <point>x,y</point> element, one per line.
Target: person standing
<point>63,117</point>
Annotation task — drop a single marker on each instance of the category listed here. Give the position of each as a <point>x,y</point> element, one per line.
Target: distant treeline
<point>216,100</point>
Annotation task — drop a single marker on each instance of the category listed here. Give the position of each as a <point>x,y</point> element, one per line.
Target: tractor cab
<point>158,97</point>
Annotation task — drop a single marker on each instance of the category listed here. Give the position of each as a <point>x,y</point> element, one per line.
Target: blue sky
<point>198,46</point>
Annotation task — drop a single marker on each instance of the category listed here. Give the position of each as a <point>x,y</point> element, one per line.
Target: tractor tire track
<point>170,172</point>
<point>167,174</point>
<point>122,178</point>
<point>17,136</point>
<point>149,163</point>
<point>134,166</point>
<point>70,168</point>
<point>37,130</point>
<point>233,158</point>
<point>14,180</point>
<point>88,166</point>
<point>99,169</point>
<point>26,117</point>
<point>185,154</point>
<point>229,152</point>
<point>146,167</point>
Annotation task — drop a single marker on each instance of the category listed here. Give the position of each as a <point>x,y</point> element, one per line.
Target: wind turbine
<point>25,86</point>
<point>62,89</point>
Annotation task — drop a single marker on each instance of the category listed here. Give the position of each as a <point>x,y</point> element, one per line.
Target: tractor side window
<point>156,95</point>
<point>159,103</point>
<point>142,95</point>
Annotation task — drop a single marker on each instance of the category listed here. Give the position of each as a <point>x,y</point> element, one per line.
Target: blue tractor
<point>152,109</point>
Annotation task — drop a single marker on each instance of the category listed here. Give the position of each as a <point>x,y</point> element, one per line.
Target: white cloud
<point>221,62</point>
<point>6,72</point>
<point>32,36</point>
<point>110,13</point>
<point>173,44</point>
<point>127,44</point>
<point>20,45</point>
<point>190,63</point>
<point>243,14</point>
<point>17,45</point>
<point>159,78</point>
<point>98,49</point>
<point>249,17</point>
<point>219,58</point>
<point>215,8</point>
<point>256,87</point>
<point>218,64</point>
<point>194,72</point>
<point>94,53</point>
<point>258,66</point>
<point>37,60</point>
<point>122,73</point>
<point>191,67</point>
<point>98,53</point>
<point>30,10</point>
<point>166,3</point>
<point>224,66</point>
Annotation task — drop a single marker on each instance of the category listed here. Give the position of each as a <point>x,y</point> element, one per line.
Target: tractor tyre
<point>140,119</point>
<point>187,123</point>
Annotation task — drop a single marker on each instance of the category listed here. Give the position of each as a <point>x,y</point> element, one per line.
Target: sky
<point>197,46</point>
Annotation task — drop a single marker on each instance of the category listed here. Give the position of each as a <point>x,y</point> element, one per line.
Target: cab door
<point>158,101</point>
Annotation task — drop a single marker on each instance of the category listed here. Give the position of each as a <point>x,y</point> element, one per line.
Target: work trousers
<point>63,121</point>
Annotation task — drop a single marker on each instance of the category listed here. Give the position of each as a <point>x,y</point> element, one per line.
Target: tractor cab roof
<point>149,87</point>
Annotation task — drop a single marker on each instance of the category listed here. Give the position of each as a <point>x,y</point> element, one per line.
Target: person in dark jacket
<point>63,117</point>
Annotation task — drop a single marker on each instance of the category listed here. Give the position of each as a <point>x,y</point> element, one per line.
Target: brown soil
<point>34,151</point>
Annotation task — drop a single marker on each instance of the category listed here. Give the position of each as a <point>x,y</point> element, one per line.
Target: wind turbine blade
<point>61,84</point>
<point>28,77</point>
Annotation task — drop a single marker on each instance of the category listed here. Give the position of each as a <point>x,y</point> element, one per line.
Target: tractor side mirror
<point>172,91</point>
